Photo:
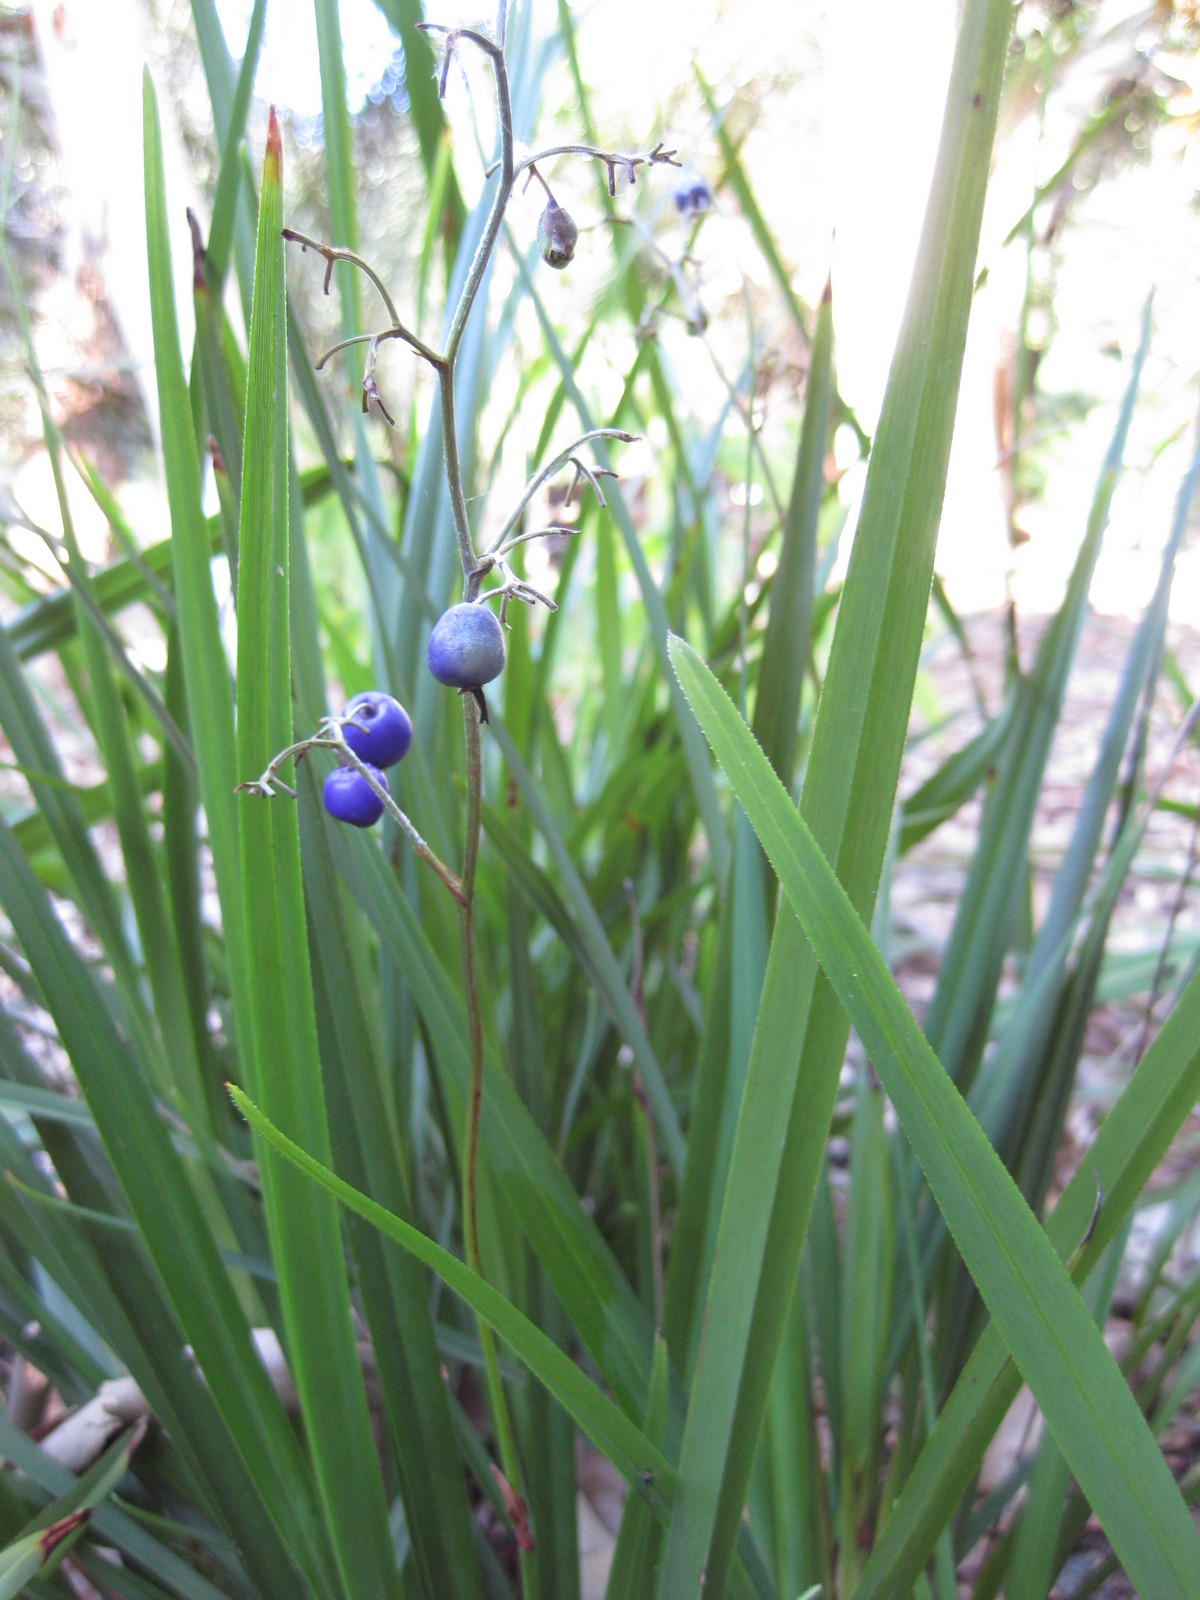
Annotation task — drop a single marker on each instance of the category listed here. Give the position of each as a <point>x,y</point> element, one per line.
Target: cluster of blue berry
<point>466,650</point>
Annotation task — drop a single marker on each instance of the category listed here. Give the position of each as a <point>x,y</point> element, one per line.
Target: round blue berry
<point>466,647</point>
<point>384,731</point>
<point>350,798</point>
<point>693,197</point>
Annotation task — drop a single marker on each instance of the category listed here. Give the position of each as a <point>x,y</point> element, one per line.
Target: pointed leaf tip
<point>274,145</point>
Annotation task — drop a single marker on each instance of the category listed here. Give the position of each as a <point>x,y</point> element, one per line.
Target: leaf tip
<point>273,166</point>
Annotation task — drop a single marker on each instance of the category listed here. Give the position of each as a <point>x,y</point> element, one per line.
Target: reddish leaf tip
<point>274,143</point>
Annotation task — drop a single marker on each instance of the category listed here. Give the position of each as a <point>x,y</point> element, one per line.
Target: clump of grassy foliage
<point>533,1148</point>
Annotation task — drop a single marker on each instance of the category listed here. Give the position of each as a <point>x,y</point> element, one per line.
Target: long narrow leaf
<point>621,1440</point>
<point>1053,1339</point>
<point>282,1037</point>
<point>848,800</point>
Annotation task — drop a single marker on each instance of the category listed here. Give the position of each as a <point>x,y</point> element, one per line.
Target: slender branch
<point>518,1512</point>
<point>556,529</point>
<point>474,568</point>
<point>562,459</point>
<point>398,331</point>
<point>612,160</point>
<point>515,588</point>
<point>532,172</point>
<point>454,483</point>
<point>458,323</point>
<point>333,253</point>
<point>269,783</point>
<point>591,476</point>
<point>473,571</point>
<point>483,253</point>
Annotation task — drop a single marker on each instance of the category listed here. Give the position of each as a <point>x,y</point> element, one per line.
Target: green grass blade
<point>47,623</point>
<point>594,1291</point>
<point>1131,1142</point>
<point>640,1535</point>
<point>394,1290</point>
<point>1087,1404</point>
<point>948,789</point>
<point>35,1554</point>
<point>614,987</point>
<point>696,1221</point>
<point>1138,677</point>
<point>181,1064</point>
<point>1045,1515</point>
<point>621,1440</point>
<point>163,1203</point>
<point>225,197</point>
<point>956,1024</point>
<point>280,1043</point>
<point>788,1509</point>
<point>63,815</point>
<point>223,97</point>
<point>205,670</point>
<point>117,1526</point>
<point>848,799</point>
<point>866,1314</point>
<point>788,634</point>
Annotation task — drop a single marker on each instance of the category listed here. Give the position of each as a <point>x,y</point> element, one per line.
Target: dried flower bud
<point>693,197</point>
<point>557,236</point>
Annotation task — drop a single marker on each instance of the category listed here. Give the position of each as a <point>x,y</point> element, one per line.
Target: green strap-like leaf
<point>621,1440</point>
<point>1054,1341</point>
<point>279,1027</point>
<point>849,788</point>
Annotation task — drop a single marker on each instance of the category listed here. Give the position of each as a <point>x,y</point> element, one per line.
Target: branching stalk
<point>563,458</point>
<point>475,567</point>
<point>473,572</point>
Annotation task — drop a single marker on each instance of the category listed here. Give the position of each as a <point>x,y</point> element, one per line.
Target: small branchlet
<point>512,587</point>
<point>568,457</point>
<point>370,388</point>
<point>330,736</point>
<point>614,161</point>
<point>559,236</point>
<point>562,530</point>
<point>451,38</point>
<point>332,254</point>
<point>590,476</point>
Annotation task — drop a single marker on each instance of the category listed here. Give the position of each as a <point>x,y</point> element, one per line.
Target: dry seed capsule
<point>557,236</point>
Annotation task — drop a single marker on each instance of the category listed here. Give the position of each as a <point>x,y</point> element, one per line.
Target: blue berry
<point>466,647</point>
<point>692,197</point>
<point>350,798</point>
<point>385,731</point>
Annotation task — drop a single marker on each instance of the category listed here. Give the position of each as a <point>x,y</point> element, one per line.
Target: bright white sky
<point>289,74</point>
<point>839,154</point>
